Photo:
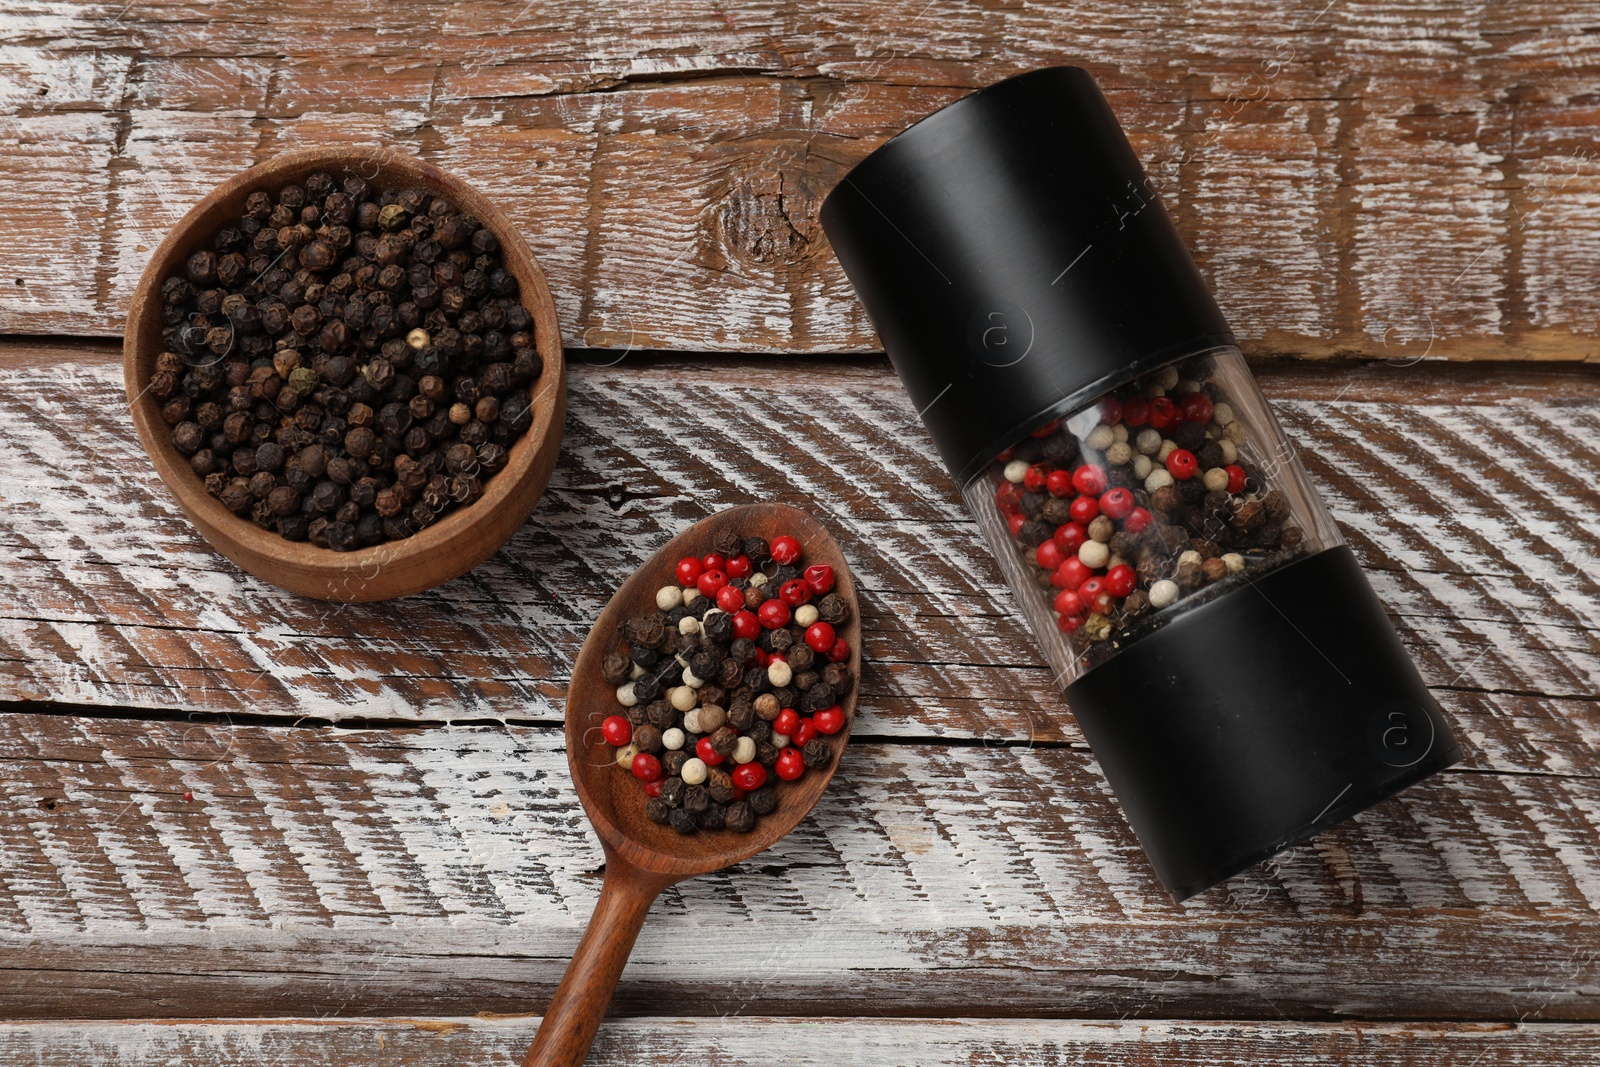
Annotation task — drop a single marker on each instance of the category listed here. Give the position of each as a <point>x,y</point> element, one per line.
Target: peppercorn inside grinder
<point>1232,669</point>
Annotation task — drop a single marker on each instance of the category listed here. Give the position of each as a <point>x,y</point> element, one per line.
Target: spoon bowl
<point>643,857</point>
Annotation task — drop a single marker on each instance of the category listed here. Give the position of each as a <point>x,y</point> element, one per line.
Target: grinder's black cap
<point>1015,261</point>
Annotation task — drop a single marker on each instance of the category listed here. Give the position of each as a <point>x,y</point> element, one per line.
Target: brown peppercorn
<point>838,677</point>
<point>833,610</point>
<point>720,785</point>
<point>763,801</point>
<point>767,707</point>
<point>1213,569</point>
<point>741,715</point>
<point>648,738</point>
<point>817,753</point>
<point>741,817</point>
<point>723,740</point>
<point>1167,500</point>
<point>696,799</point>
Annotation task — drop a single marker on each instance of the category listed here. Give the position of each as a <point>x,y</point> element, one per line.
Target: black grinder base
<point>1257,719</point>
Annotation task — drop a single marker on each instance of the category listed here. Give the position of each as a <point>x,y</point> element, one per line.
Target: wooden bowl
<point>459,541</point>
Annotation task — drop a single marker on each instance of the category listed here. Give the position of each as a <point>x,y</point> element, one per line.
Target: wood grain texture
<point>166,869</point>
<point>753,1042</point>
<point>1459,503</point>
<point>1354,178</point>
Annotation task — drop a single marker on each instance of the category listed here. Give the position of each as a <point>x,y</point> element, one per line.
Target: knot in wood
<point>767,218</point>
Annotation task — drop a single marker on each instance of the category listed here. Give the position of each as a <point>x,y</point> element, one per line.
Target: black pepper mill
<point>1232,669</point>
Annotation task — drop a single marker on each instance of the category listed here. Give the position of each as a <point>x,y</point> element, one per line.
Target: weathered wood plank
<point>1463,499</point>
<point>736,1042</point>
<point>1353,179</point>
<point>166,868</point>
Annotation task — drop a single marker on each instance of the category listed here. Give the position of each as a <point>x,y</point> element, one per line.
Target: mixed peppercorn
<point>345,365</point>
<point>732,685</point>
<point>1140,502</point>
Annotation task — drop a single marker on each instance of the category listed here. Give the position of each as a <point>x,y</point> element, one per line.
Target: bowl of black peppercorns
<point>346,366</point>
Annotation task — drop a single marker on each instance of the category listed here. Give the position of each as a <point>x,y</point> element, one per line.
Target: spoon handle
<point>580,1001</point>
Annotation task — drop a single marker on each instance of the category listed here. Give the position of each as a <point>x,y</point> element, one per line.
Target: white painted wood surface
<point>761,1042</point>
<point>157,868</point>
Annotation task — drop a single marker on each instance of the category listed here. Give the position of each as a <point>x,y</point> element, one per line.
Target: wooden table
<point>238,826</point>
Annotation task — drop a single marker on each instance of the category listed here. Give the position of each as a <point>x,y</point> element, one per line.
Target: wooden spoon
<point>643,858</point>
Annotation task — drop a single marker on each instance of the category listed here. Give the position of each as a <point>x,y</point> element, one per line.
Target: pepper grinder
<point>1235,675</point>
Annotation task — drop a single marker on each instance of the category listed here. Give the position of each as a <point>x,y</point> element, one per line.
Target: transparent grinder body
<point>1114,518</point>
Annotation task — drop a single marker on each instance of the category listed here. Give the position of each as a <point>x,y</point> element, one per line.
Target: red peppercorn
<point>1015,521</point>
<point>740,567</point>
<point>794,592</point>
<point>773,614</point>
<point>820,636</point>
<point>1135,412</point>
<point>1084,509</point>
<point>711,582</point>
<point>1136,522</point>
<point>1089,480</point>
<point>1071,574</point>
<point>1008,498</point>
<point>1104,604</point>
<point>1118,503</point>
<point>820,578</point>
<point>730,598</point>
<point>714,561</point>
<point>617,730</point>
<point>803,733</point>
<point>1181,464</point>
<point>786,723</point>
<point>829,720</point>
<point>1047,429</point>
<point>1120,580</point>
<point>790,764</point>
<point>1007,454</point>
<point>1163,413</point>
<point>759,658</point>
<point>708,755</point>
<point>839,652</point>
<point>1069,537</point>
<point>746,625</point>
<point>785,550</point>
<point>749,776</point>
<point>653,789</point>
<point>1033,481</point>
<point>689,570</point>
<point>1059,483</point>
<point>1091,588</point>
<point>1068,603</point>
<point>1049,555</point>
<point>1196,407</point>
<point>1111,411</point>
<point>646,767</point>
<point>1068,623</point>
<point>1236,478</point>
